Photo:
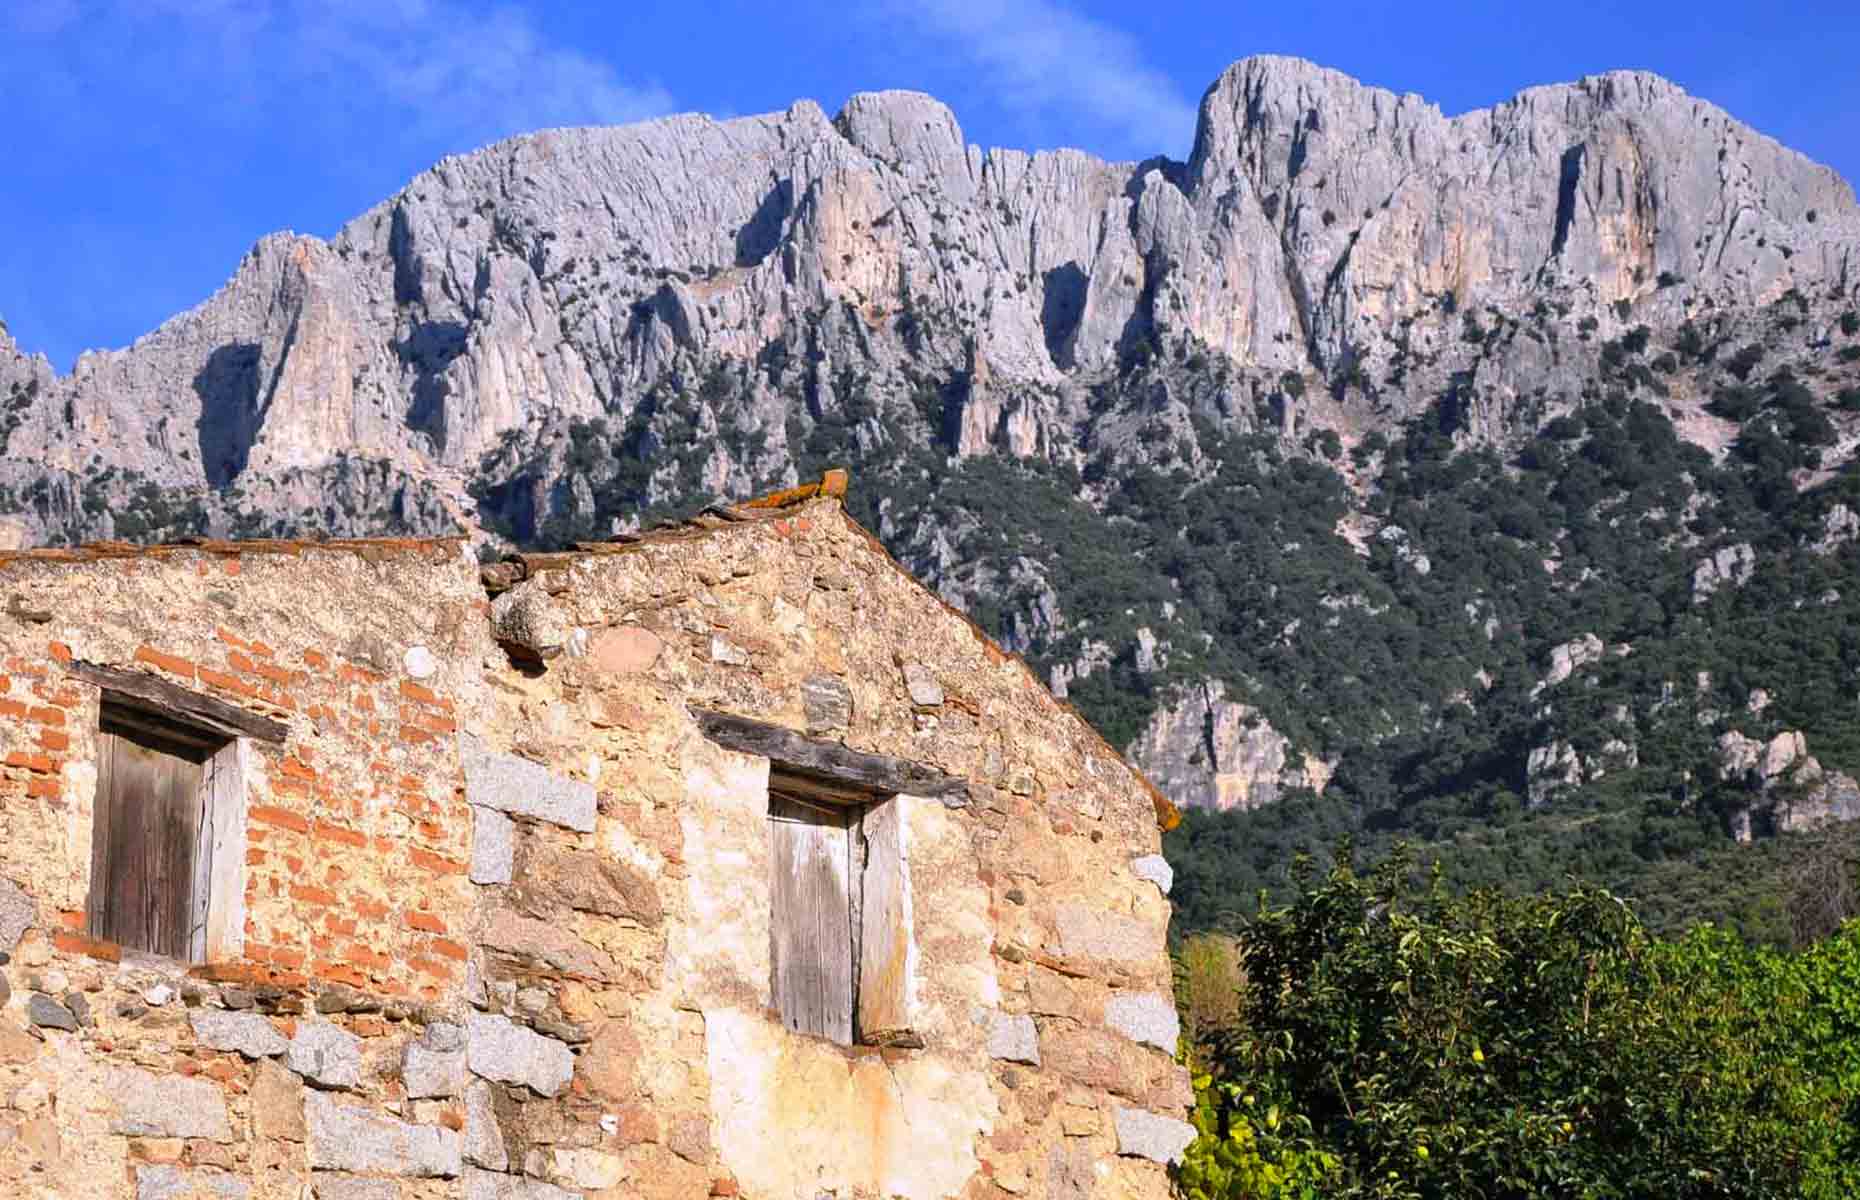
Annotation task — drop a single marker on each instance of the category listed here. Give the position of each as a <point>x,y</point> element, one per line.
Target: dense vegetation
<point>1596,526</point>
<point>1393,1040</point>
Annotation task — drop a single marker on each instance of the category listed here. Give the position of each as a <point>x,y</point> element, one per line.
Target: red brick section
<point>172,664</point>
<point>35,706</point>
<point>357,834</point>
<point>361,827</point>
<point>77,943</point>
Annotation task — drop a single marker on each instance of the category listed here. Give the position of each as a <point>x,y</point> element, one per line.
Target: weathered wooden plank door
<point>884,929</point>
<point>811,928</point>
<point>143,847</point>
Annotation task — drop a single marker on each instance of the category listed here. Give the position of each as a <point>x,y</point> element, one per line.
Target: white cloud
<point>454,66</point>
<point>1039,55</point>
<point>434,71</point>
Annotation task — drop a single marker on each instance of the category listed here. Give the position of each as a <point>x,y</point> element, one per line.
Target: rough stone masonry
<point>485,893</point>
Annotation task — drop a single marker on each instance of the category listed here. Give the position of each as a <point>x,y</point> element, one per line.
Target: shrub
<point>1401,1042</point>
<point>1745,361</point>
<point>1209,980</point>
<point>1735,404</point>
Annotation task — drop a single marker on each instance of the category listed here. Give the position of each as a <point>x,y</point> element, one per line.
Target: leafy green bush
<point>1247,1150</point>
<point>1402,1042</point>
<point>1745,361</point>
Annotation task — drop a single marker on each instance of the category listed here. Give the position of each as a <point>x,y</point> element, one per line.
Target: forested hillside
<point>1486,481</point>
<point>1604,679</point>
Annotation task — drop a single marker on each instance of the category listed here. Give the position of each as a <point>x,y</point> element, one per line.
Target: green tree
<point>1400,1041</point>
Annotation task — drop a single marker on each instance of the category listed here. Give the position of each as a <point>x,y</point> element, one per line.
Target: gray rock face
<point>47,1013</point>
<point>435,1064</point>
<point>1318,221</point>
<point>1551,771</point>
<point>1829,796</point>
<point>1784,781</point>
<point>1156,869</point>
<point>419,662</point>
<point>826,702</point>
<point>164,1182</point>
<point>921,683</point>
<point>149,1105</point>
<point>523,788</point>
<point>249,1033</point>
<point>345,1137</point>
<point>1729,566</point>
<point>483,1139</point>
<point>325,1185</point>
<point>1013,1038</point>
<point>1094,933</point>
<point>546,943</point>
<point>1567,658</point>
<point>326,1055</point>
<point>483,1185</point>
<point>508,1053</point>
<point>490,347</point>
<point>1208,751</point>
<point>1143,1134</point>
<point>1611,180</point>
<point>1147,1017</point>
<point>493,846</point>
<point>17,914</point>
<point>277,1103</point>
<point>549,880</point>
<point>529,618</point>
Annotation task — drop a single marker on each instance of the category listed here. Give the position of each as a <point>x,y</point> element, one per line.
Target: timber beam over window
<point>142,692</point>
<point>842,949</point>
<point>827,770</point>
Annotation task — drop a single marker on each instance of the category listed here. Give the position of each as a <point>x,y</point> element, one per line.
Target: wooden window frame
<point>865,998</point>
<point>835,776</point>
<point>170,720</point>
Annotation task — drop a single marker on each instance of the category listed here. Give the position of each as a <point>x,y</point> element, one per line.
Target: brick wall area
<point>1043,994</point>
<point>506,924</point>
<point>355,846</point>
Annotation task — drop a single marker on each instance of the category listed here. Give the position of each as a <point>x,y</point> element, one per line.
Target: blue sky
<point>150,142</point>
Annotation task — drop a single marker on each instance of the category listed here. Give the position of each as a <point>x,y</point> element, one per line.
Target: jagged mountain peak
<point>1321,226</point>
<point>543,339</point>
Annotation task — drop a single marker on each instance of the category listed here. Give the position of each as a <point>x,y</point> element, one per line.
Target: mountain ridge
<point>1058,377</point>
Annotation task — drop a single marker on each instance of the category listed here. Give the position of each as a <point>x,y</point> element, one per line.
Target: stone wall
<point>506,928</point>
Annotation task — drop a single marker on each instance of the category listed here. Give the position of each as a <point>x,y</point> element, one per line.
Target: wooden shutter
<point>811,925</point>
<point>884,908</point>
<point>144,847</point>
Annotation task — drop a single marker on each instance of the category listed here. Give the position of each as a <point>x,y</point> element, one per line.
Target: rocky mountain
<point>1274,460</point>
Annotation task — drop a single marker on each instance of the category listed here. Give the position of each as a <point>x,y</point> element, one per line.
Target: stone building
<point>721,861</point>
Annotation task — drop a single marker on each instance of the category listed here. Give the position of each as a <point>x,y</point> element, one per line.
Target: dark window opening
<point>840,939</point>
<point>158,783</point>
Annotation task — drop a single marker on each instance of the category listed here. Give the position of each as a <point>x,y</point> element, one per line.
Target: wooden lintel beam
<point>834,770</point>
<point>151,693</point>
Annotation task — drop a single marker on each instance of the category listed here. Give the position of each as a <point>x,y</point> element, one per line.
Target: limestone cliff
<point>1319,225</point>
<point>541,340</point>
<point>1207,751</point>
